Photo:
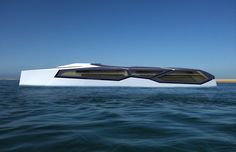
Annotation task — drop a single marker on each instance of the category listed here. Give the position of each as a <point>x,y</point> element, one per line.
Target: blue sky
<point>166,33</point>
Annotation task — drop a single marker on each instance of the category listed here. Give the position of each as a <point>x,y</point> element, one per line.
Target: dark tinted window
<point>93,74</point>
<point>144,73</point>
<point>183,77</point>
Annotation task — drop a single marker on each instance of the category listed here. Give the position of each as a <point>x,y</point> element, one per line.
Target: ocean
<point>117,119</point>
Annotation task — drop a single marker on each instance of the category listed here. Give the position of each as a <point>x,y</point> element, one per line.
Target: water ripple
<point>117,119</point>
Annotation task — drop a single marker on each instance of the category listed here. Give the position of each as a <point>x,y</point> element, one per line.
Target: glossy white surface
<point>45,77</point>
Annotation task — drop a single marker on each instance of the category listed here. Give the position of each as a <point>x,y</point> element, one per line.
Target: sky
<point>197,34</point>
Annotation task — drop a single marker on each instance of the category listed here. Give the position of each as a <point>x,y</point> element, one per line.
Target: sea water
<point>112,119</point>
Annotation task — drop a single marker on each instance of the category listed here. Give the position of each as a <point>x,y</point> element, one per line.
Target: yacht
<point>98,75</point>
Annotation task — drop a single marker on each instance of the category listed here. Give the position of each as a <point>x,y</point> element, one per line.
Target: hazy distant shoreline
<point>226,80</point>
<point>9,79</point>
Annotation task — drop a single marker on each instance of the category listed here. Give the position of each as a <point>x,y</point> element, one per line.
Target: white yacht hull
<point>46,77</point>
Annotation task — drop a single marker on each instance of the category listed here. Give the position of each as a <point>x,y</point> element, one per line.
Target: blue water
<point>47,119</point>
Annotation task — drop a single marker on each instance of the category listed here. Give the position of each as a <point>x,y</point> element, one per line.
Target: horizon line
<point>224,80</point>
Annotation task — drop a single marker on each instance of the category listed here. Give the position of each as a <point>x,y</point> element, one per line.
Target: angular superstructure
<point>86,74</point>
